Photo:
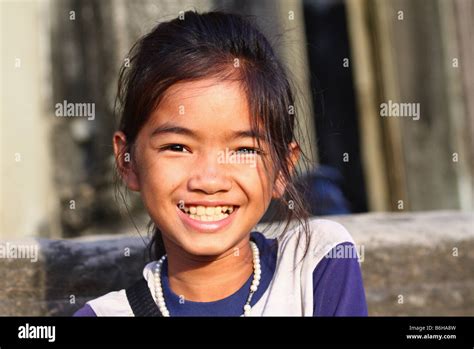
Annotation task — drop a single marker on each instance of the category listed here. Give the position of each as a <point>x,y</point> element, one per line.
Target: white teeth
<point>209,213</point>
<point>200,210</point>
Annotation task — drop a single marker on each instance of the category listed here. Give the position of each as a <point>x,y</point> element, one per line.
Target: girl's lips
<point>206,226</point>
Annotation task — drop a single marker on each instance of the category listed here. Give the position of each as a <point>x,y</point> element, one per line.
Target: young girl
<point>207,138</point>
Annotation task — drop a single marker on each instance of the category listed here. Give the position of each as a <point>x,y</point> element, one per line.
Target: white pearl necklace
<point>257,273</point>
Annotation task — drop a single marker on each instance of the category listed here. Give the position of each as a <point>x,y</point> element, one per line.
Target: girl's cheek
<point>256,183</point>
<point>166,174</point>
<point>159,174</point>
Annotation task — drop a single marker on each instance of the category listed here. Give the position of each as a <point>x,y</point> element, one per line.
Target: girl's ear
<point>292,160</point>
<point>124,162</point>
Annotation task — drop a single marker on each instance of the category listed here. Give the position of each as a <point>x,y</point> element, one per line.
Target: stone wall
<point>413,264</point>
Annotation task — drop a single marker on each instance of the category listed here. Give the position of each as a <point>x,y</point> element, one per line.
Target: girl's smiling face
<point>182,159</point>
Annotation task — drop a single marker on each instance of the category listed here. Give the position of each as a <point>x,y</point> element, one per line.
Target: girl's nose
<point>209,176</point>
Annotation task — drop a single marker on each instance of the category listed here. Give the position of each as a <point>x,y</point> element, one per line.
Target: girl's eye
<point>249,150</point>
<point>174,147</point>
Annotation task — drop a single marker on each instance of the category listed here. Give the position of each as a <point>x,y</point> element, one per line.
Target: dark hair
<point>212,42</point>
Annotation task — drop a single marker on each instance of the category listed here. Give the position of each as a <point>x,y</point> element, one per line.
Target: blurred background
<point>347,59</point>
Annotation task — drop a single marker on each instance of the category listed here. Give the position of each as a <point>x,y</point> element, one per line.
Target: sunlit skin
<point>176,165</point>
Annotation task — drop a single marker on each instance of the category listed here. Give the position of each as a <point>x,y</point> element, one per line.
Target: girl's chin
<point>205,245</point>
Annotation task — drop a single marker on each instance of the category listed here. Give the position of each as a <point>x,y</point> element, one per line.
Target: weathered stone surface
<point>68,273</point>
<point>427,258</point>
<point>413,264</point>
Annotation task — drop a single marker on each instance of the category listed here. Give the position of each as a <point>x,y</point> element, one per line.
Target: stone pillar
<point>28,200</point>
<point>415,52</point>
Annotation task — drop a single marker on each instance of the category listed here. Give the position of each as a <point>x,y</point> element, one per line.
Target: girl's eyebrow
<point>246,134</point>
<point>170,128</point>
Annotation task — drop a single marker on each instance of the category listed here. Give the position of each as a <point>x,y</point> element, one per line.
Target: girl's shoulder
<point>329,231</point>
<point>111,304</point>
<point>314,243</point>
<point>320,231</point>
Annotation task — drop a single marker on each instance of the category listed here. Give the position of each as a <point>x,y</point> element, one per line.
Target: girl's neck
<point>201,280</point>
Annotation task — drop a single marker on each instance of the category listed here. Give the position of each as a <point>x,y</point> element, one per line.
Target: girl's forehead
<point>204,110</point>
<point>203,101</point>
<point>206,91</point>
